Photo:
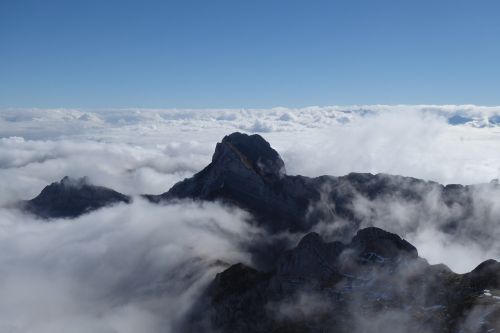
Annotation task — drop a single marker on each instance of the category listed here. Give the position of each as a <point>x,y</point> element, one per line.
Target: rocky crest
<point>247,172</point>
<point>70,198</point>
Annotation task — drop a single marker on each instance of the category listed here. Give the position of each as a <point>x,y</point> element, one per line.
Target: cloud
<point>128,268</point>
<point>26,166</point>
<point>409,140</point>
<point>107,271</point>
<point>459,235</point>
<point>302,306</point>
<point>409,143</point>
<point>147,151</point>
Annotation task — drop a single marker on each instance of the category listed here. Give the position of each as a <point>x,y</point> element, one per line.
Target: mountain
<point>377,282</point>
<point>361,280</point>
<point>246,172</point>
<point>70,198</point>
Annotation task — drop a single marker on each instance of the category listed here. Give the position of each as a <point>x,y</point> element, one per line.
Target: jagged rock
<point>247,172</point>
<point>70,198</point>
<point>323,286</point>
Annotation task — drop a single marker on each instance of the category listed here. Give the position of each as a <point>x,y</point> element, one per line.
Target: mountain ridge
<point>70,198</point>
<point>247,172</point>
<point>347,285</point>
<point>316,285</point>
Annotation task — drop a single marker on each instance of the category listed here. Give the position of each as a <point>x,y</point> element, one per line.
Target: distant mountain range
<point>317,286</point>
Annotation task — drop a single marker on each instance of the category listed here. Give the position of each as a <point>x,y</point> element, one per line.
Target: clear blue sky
<point>253,53</point>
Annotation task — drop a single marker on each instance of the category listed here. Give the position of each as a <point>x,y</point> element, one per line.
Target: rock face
<point>247,172</point>
<point>70,198</point>
<point>375,283</point>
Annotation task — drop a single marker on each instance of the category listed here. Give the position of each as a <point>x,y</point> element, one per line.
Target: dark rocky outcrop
<point>71,198</point>
<point>247,172</point>
<point>375,283</point>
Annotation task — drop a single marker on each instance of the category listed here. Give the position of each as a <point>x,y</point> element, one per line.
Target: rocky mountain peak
<point>71,197</point>
<point>245,171</point>
<point>253,151</point>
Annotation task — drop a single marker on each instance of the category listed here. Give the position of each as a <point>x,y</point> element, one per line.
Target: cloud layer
<point>129,268</point>
<point>408,140</point>
<point>139,267</point>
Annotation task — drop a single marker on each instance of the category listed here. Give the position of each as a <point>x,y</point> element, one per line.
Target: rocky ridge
<point>377,282</point>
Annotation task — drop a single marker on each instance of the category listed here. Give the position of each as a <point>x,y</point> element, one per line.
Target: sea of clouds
<point>139,267</point>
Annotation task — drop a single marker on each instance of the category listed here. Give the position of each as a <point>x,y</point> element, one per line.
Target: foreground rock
<point>376,283</point>
<point>70,198</point>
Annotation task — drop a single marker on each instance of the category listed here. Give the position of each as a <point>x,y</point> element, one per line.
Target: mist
<point>127,268</point>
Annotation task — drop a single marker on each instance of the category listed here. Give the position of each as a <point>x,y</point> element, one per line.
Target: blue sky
<point>235,53</point>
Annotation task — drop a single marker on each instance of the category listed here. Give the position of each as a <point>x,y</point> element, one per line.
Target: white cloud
<point>128,268</point>
<point>59,274</point>
<point>407,140</point>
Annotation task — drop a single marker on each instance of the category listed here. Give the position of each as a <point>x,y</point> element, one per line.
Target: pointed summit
<point>254,152</point>
<point>247,172</point>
